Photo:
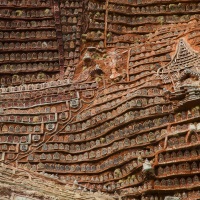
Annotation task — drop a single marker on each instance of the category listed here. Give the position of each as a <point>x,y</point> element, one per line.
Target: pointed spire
<point>184,58</point>
<point>184,51</point>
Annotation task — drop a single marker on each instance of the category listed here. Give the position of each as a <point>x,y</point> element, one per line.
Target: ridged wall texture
<point>103,93</point>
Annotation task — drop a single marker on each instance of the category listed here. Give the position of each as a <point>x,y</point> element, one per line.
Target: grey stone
<point>172,198</point>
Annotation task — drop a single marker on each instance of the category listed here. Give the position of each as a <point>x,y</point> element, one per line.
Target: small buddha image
<point>97,72</point>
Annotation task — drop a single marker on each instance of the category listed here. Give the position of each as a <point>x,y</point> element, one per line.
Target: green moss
<point>161,19</point>
<point>19,12</point>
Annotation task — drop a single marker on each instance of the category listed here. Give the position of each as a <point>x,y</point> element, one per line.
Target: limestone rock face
<point>172,198</point>
<point>17,184</point>
<point>100,99</point>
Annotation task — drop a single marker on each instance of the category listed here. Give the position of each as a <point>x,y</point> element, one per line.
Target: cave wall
<point>96,91</point>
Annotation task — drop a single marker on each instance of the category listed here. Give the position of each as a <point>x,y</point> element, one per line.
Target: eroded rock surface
<point>101,96</point>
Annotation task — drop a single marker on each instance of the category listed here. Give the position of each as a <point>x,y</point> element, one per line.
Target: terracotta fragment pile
<point>104,94</point>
